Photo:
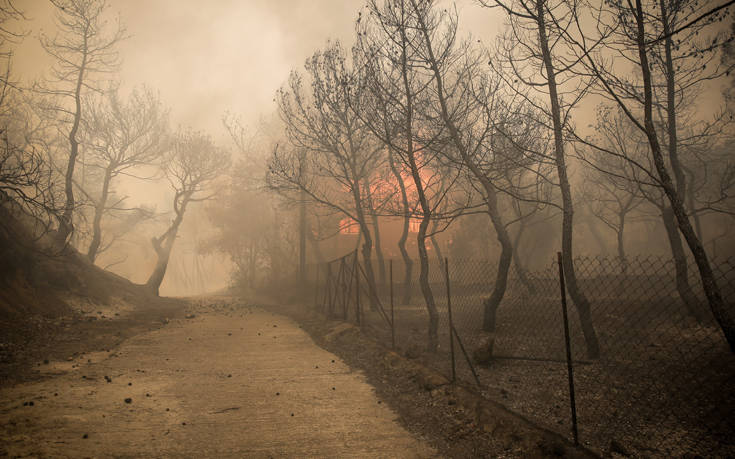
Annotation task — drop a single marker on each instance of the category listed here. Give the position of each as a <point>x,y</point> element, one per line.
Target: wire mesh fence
<point>663,382</point>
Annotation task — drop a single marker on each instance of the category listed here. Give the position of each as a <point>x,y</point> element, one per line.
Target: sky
<point>207,58</point>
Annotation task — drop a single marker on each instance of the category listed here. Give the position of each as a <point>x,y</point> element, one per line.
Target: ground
<point>224,377</point>
<point>226,382</point>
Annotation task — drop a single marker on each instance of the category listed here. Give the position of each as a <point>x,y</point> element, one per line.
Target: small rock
<point>190,316</point>
<point>229,376</point>
<point>292,414</point>
<point>108,379</point>
<point>130,384</point>
<point>56,394</point>
<point>616,447</point>
<point>229,334</point>
<point>334,388</point>
<point>483,353</point>
<point>183,423</point>
<point>147,395</point>
<point>45,361</point>
<point>128,400</point>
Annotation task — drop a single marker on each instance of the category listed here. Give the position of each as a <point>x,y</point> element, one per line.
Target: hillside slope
<point>54,304</point>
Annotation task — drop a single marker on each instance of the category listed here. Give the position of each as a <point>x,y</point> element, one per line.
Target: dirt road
<point>231,382</point>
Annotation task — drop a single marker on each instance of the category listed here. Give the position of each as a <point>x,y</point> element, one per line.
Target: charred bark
<point>720,311</point>
<point>99,211</point>
<point>580,300</point>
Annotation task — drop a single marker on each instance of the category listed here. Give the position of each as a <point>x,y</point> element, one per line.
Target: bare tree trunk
<point>723,316</point>
<point>367,246</point>
<point>520,269</point>
<point>163,247</point>
<point>302,239</point>
<point>379,251</point>
<point>99,210</point>
<point>493,302</point>
<point>251,264</point>
<point>621,243</point>
<point>424,282</point>
<point>580,300</point>
<point>66,225</point>
<point>407,261</point>
<point>435,245</point>
<point>433,338</point>
<point>376,233</point>
<point>316,248</point>
<point>681,267</point>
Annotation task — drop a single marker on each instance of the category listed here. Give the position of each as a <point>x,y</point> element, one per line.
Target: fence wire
<point>663,382</point>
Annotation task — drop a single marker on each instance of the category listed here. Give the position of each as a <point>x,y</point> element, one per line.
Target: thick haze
<point>207,58</point>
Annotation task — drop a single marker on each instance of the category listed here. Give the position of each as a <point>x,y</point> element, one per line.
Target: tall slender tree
<point>85,53</point>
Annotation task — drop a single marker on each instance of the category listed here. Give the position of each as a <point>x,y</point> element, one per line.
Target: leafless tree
<point>389,46</point>
<point>84,51</point>
<point>121,136</point>
<point>534,54</point>
<point>340,153</point>
<point>659,42</point>
<point>611,184</point>
<point>191,166</point>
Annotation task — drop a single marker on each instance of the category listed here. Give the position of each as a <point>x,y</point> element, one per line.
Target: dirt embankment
<point>55,304</point>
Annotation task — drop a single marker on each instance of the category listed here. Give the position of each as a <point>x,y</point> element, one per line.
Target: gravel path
<point>233,382</point>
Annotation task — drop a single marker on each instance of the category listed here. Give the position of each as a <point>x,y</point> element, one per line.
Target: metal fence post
<point>392,316</point>
<point>570,369</point>
<point>356,273</point>
<point>451,324</point>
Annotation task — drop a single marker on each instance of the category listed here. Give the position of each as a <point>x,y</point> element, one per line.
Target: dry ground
<point>230,381</point>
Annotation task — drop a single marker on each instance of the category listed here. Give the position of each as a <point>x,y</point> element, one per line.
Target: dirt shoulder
<point>29,343</point>
<point>455,419</point>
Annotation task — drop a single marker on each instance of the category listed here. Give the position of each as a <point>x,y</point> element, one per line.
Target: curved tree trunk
<point>163,247</point>
<point>520,269</point>
<point>621,243</point>
<point>580,300</point>
<point>407,261</point>
<point>424,283</point>
<point>99,210</point>
<point>66,225</point>
<point>717,304</point>
<point>165,243</point>
<point>435,245</point>
<point>681,268</point>
<point>376,234</point>
<point>492,303</point>
<point>367,247</point>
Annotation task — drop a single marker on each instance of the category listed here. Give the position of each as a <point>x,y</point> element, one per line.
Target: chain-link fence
<point>662,385</point>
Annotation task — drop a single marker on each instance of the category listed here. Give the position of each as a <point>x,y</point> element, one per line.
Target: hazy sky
<point>208,57</point>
